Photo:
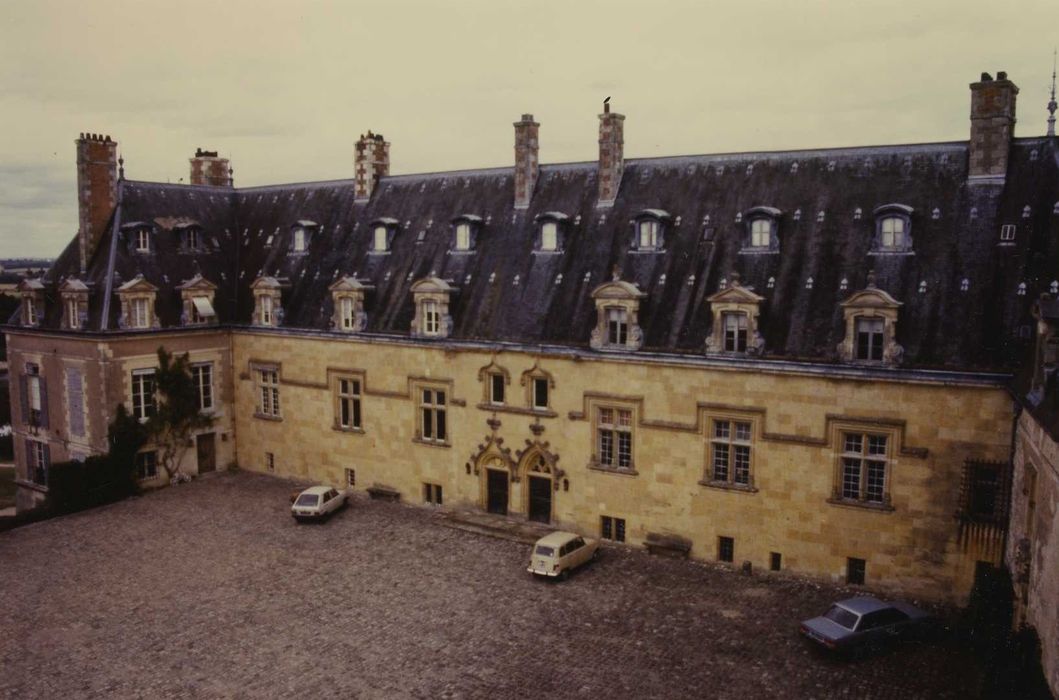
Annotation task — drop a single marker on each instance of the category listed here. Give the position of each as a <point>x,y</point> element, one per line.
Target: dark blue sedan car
<point>857,623</point>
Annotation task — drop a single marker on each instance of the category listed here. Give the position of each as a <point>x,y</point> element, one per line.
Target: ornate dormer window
<point>301,236</point>
<point>465,229</point>
<point>495,380</point>
<point>268,301</point>
<point>196,296</point>
<point>1046,360</point>
<point>735,312</point>
<point>32,293</point>
<point>192,238</point>
<point>431,298</point>
<point>383,231</point>
<point>893,229</point>
<point>762,230</point>
<point>74,295</point>
<point>348,296</point>
<point>870,317</point>
<point>551,232</point>
<point>138,236</point>
<point>649,230</point>
<point>137,304</point>
<point>617,308</point>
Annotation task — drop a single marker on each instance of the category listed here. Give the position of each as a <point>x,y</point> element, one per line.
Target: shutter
<point>75,401</point>
<point>47,457</point>
<point>23,385</point>
<point>43,402</point>
<point>29,460</point>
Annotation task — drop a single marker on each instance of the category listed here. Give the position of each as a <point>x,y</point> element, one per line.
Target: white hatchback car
<point>317,502</point>
<point>556,554</point>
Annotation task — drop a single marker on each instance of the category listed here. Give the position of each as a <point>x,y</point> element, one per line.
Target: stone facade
<point>910,547</point>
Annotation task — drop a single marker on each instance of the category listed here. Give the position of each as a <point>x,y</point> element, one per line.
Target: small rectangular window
<point>1007,233</point>
<point>73,313</point>
<point>379,241</point>
<point>760,233</point>
<point>270,462</point>
<point>432,493</point>
<point>266,310</point>
<point>775,561</point>
<point>496,389</point>
<point>143,405</point>
<point>348,397</point>
<point>549,236</point>
<point>143,241</point>
<point>351,477</point>
<point>540,393</point>
<point>725,549</point>
<point>146,465</point>
<point>348,320</point>
<point>463,236</point>
<point>855,571</point>
<point>431,317</point>
<point>141,313</point>
<point>611,528</point>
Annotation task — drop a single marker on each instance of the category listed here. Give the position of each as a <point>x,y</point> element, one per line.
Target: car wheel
<point>564,574</point>
<point>595,555</point>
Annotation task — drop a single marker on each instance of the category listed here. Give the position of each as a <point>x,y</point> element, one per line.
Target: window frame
<point>860,490</point>
<point>268,403</point>
<point>884,214</point>
<point>739,341</point>
<point>497,388</point>
<point>142,240</point>
<point>146,465</point>
<point>140,310</point>
<point>144,403</point>
<point>730,435</point>
<point>876,339</point>
<point>549,226</point>
<point>617,319</point>
<point>612,425</point>
<point>349,402</point>
<point>205,390</point>
<point>432,424</point>
<point>754,224</point>
<point>612,528</point>
<point>430,317</point>
<point>38,461</point>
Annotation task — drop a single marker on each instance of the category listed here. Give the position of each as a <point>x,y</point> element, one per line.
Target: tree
<point>177,416</point>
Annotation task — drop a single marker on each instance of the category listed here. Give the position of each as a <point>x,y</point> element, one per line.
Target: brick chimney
<point>208,169</point>
<point>611,156</point>
<point>992,128</point>
<point>371,161</point>
<point>97,190</point>
<point>527,160</point>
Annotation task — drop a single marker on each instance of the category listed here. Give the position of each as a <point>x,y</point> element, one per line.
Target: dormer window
<point>197,295</point>
<point>762,225</point>
<point>617,325</point>
<point>431,298</point>
<point>649,230</point>
<point>143,241</point>
<point>465,233</point>
<point>871,327</point>
<point>192,240</point>
<point>550,232</point>
<point>137,304</point>
<point>382,231</point>
<point>268,295</point>
<point>735,310</point>
<point>549,236</point>
<point>74,294</point>
<point>32,311</point>
<point>893,229</point>
<point>301,236</point>
<point>1007,233</point>
<point>347,294</point>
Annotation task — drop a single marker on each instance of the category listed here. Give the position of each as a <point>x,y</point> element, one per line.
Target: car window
<point>331,494</point>
<point>564,549</point>
<point>891,616</point>
<point>577,544</point>
<point>545,551</point>
<point>841,617</point>
<point>307,499</point>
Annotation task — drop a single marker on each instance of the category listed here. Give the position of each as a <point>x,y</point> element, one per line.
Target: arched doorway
<point>539,487</point>
<point>496,478</point>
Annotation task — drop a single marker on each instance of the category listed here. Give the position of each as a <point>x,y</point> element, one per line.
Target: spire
<point>1051,103</point>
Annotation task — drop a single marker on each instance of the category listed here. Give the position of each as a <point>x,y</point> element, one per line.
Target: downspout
<point>105,321</point>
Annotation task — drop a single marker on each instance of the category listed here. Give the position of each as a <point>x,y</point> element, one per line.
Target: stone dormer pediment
<point>617,289</point>
<point>432,285</point>
<point>29,286</point>
<point>137,285</point>
<point>72,285</point>
<point>265,282</point>
<point>871,298</point>
<point>348,284</point>
<point>735,294</point>
<point>196,284</point>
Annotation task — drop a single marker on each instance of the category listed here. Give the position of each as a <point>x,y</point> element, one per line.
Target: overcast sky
<point>285,88</point>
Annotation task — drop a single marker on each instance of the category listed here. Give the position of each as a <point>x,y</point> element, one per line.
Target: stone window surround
<point>838,430</point>
<point>256,370</point>
<point>337,397</point>
<point>347,287</point>
<point>133,290</point>
<point>755,434</point>
<point>871,303</point>
<point>78,300</point>
<point>735,298</point>
<point>445,389</point>
<point>196,287</point>
<point>308,230</point>
<point>485,376</point>
<point>594,463</point>
<point>32,307</point>
<point>438,291</point>
<point>267,287</point>
<point>617,294</point>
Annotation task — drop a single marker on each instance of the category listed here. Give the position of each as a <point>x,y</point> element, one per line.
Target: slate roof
<point>505,292</point>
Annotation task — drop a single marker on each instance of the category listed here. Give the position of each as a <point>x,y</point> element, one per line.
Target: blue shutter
<point>75,399</point>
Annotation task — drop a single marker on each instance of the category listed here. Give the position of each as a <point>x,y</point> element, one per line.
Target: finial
<point>121,168</point>
<point>616,272</point>
<point>1051,103</point>
<point>735,279</point>
<point>871,279</point>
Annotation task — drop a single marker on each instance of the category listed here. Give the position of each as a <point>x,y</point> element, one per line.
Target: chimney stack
<point>611,156</point>
<point>527,160</point>
<point>371,161</point>
<point>97,190</point>
<point>992,128</point>
<point>208,169</point>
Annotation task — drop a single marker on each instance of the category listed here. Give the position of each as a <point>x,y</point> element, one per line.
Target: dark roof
<point>507,293</point>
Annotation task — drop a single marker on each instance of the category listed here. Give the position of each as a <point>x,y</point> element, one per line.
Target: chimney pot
<point>1002,75</point>
<point>986,77</point>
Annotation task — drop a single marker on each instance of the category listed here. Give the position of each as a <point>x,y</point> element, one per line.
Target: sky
<point>284,88</point>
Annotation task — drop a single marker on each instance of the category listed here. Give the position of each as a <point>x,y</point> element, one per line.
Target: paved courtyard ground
<point>211,590</point>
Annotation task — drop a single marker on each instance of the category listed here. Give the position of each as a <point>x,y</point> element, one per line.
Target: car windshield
<point>842,617</point>
<point>545,551</point>
<point>307,499</point>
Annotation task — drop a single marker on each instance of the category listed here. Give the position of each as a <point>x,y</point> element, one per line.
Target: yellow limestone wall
<point>797,421</point>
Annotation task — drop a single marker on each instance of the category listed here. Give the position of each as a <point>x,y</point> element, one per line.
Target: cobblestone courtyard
<point>211,590</point>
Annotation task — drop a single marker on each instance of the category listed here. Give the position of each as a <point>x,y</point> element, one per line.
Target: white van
<point>556,554</point>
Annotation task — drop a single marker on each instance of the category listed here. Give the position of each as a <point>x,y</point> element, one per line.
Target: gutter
<point>105,320</point>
